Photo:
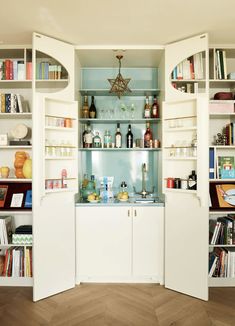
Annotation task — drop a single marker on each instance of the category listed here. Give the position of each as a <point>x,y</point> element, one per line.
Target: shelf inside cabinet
<point>59,158</point>
<point>15,83</point>
<point>59,116</point>
<point>59,128</point>
<point>187,158</point>
<point>183,117</point>
<point>188,80</point>
<point>222,180</point>
<point>120,149</point>
<point>107,121</point>
<point>15,245</point>
<point>222,146</point>
<point>50,191</point>
<point>221,245</point>
<point>106,92</point>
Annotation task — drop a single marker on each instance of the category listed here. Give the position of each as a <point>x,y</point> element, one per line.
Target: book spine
<point>7,69</point>
<point>29,70</point>
<point>211,163</point>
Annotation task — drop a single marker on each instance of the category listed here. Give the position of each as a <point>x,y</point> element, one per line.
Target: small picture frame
<point>222,195</point>
<point>17,200</point>
<point>3,194</point>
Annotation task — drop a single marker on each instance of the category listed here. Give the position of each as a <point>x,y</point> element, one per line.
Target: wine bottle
<point>147,108</point>
<point>148,136</point>
<point>88,137</point>
<point>129,138</point>
<point>84,136</point>
<point>155,108</point>
<point>92,109</point>
<point>118,137</point>
<point>85,108</point>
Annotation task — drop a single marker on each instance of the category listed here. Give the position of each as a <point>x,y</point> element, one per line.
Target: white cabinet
<point>121,243</point>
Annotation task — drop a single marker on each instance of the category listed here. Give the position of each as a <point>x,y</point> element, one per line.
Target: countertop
<point>115,202</point>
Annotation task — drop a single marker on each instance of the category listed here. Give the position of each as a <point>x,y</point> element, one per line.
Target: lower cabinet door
<point>148,242</point>
<point>103,242</point>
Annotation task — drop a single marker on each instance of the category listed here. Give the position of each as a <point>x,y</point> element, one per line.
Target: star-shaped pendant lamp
<point>119,85</point>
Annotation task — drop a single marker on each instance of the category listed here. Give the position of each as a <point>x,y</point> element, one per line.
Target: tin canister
<point>177,183</point>
<point>170,182</point>
<point>184,184</point>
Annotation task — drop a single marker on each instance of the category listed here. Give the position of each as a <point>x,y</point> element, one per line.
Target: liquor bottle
<point>85,108</point>
<point>147,109</point>
<point>129,138</point>
<point>64,178</point>
<point>148,137</point>
<point>155,108</point>
<point>97,140</point>
<point>84,136</point>
<point>92,109</point>
<point>88,137</point>
<point>192,181</point>
<point>118,137</point>
<point>107,139</point>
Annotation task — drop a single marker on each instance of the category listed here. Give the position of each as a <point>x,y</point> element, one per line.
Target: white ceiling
<point>119,22</point>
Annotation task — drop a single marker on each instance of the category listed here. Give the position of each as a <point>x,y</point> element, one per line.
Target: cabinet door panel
<point>54,212</point>
<point>103,241</point>
<point>148,241</point>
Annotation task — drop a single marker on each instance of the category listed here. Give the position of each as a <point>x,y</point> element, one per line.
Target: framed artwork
<point>17,200</point>
<point>3,194</point>
<point>222,195</point>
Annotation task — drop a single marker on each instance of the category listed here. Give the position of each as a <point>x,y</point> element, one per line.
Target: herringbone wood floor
<point>116,305</point>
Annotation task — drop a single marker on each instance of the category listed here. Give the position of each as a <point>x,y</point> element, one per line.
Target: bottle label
<point>147,113</point>
<point>88,138</point>
<point>118,141</point>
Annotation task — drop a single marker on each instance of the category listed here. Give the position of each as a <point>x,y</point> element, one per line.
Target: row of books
<point>222,262</point>
<point>15,70</point>
<point>18,262</point>
<point>190,68</point>
<point>222,230</point>
<point>5,229</point>
<point>12,103</point>
<point>220,64</point>
<point>225,166</point>
<point>45,70</point>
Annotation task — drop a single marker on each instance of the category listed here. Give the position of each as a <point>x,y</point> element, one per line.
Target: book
<point>28,199</point>
<point>225,167</point>
<point>211,163</point>
<point>6,228</point>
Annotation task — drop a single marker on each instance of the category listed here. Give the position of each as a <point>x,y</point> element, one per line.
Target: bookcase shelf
<point>221,281</point>
<point>16,281</point>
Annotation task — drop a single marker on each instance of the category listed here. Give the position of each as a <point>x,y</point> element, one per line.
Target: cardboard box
<point>22,239</point>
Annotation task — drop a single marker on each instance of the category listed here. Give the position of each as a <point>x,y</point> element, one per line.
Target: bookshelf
<point>15,109</point>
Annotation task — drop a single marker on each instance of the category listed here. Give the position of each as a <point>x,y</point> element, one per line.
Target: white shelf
<point>221,245</point>
<point>15,180</point>
<point>221,281</point>
<point>14,245</point>
<point>52,191</point>
<point>187,158</point>
<point>222,212</point>
<point>180,129</point>
<point>23,115</point>
<point>16,281</point>
<point>188,80</point>
<point>222,80</point>
<point>222,180</point>
<point>16,212</point>
<point>186,191</point>
<point>59,128</point>
<point>222,146</point>
<point>59,158</point>
<point>16,147</point>
<point>221,115</point>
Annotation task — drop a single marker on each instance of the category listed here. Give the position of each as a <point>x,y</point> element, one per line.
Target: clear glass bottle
<point>147,108</point>
<point>118,137</point>
<point>97,140</point>
<point>129,138</point>
<point>107,139</point>
<point>148,136</point>
<point>194,145</point>
<point>92,109</point>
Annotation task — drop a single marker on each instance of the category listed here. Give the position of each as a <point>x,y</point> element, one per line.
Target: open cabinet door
<point>185,117</point>
<point>54,167</point>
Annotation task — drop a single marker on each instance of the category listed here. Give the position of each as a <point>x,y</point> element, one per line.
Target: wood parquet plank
<point>117,305</point>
